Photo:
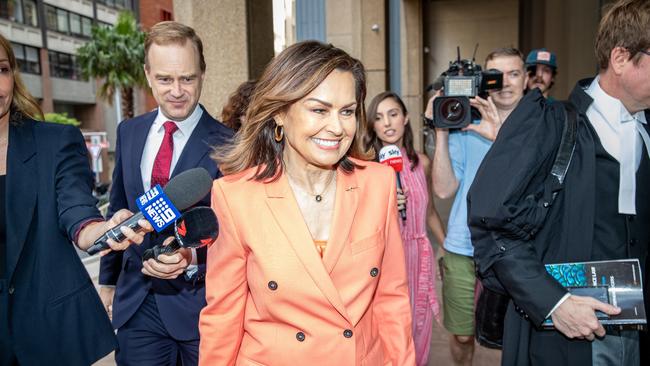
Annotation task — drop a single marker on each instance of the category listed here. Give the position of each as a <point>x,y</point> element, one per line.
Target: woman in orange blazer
<point>308,268</point>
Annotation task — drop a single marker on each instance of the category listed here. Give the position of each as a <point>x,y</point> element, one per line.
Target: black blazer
<point>55,314</point>
<point>180,311</point>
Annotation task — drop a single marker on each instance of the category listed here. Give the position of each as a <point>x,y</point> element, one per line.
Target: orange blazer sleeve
<point>391,303</point>
<point>221,322</point>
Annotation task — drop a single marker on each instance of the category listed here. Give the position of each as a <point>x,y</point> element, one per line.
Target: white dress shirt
<point>622,135</point>
<point>154,140</point>
<point>152,145</point>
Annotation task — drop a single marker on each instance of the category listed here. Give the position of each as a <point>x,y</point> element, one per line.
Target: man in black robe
<point>601,213</point>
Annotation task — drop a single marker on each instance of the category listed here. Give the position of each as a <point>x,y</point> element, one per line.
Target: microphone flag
<point>157,208</point>
<point>392,156</point>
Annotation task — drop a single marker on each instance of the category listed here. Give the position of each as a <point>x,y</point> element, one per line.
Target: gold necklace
<point>317,196</point>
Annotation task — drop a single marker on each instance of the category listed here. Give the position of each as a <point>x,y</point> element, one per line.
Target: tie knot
<point>170,127</point>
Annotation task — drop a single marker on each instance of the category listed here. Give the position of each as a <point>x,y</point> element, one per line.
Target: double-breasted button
<point>347,333</point>
<point>11,290</point>
<point>484,220</point>
<point>633,242</point>
<point>300,336</point>
<point>374,272</point>
<point>273,285</point>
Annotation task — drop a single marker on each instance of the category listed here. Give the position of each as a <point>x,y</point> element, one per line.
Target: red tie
<point>160,171</point>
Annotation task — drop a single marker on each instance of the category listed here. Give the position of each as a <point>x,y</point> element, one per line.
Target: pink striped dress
<point>420,261</point>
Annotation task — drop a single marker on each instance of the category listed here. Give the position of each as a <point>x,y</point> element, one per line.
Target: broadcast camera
<point>463,79</point>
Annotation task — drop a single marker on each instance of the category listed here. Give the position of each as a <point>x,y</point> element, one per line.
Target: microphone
<point>195,228</point>
<point>160,206</point>
<point>391,155</point>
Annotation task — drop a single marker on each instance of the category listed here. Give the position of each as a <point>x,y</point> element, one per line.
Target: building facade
<point>404,44</point>
<point>45,35</point>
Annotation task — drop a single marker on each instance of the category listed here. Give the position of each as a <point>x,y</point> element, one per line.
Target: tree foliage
<point>62,118</point>
<point>115,54</point>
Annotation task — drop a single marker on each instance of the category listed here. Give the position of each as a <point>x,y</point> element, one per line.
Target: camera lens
<point>452,110</point>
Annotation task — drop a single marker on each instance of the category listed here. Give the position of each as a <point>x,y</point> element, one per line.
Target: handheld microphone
<point>160,206</point>
<point>391,155</point>
<point>195,228</point>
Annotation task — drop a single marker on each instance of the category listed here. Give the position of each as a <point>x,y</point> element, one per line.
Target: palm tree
<point>116,55</point>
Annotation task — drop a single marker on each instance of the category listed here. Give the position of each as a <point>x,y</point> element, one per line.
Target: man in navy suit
<point>156,304</point>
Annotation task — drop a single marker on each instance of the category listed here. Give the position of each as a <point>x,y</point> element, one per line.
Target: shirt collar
<point>185,127</point>
<point>612,110</point>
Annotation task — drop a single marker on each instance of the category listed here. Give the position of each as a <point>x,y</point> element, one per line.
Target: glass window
<point>31,14</point>
<point>32,61</point>
<point>20,11</point>
<point>107,2</point>
<point>86,26</point>
<point>50,18</point>
<point>17,10</point>
<point>62,20</point>
<point>75,23</point>
<point>18,50</point>
<point>62,65</point>
<point>27,58</point>
<point>4,8</point>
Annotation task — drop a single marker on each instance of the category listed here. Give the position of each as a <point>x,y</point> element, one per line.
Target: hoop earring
<point>278,133</point>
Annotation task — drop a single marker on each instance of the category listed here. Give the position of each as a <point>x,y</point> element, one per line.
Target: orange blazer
<point>273,301</point>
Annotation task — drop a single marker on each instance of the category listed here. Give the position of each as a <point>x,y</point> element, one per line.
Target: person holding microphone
<point>309,266</point>
<point>50,312</point>
<point>388,124</point>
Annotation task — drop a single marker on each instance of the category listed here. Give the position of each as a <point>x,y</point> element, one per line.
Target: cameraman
<point>457,157</point>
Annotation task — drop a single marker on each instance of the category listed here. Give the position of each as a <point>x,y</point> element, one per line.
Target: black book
<point>617,282</point>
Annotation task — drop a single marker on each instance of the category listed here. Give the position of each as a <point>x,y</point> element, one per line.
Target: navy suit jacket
<point>54,312</point>
<point>180,300</point>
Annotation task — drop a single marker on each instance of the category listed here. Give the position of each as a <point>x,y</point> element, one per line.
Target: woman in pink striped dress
<point>388,123</point>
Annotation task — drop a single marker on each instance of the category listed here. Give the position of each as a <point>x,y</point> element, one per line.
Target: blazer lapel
<point>197,145</point>
<point>21,189</point>
<point>139,139</point>
<point>286,212</point>
<point>345,207</point>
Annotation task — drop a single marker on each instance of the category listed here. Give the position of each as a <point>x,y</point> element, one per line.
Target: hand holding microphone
<point>160,207</point>
<point>391,155</point>
<point>195,228</point>
<point>89,232</point>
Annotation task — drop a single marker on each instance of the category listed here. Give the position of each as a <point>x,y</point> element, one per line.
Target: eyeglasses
<point>647,53</point>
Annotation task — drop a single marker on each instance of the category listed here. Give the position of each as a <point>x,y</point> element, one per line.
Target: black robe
<point>514,232</point>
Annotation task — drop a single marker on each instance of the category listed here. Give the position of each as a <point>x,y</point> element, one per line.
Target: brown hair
<point>505,52</point>
<point>291,76</point>
<point>22,103</point>
<point>235,108</point>
<point>170,32</point>
<point>372,141</point>
<point>626,24</point>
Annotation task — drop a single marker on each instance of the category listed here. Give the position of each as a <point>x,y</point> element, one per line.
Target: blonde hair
<point>22,102</point>
<point>170,32</point>
<point>291,76</point>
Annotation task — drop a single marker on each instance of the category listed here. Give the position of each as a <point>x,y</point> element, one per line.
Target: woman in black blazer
<point>50,312</point>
